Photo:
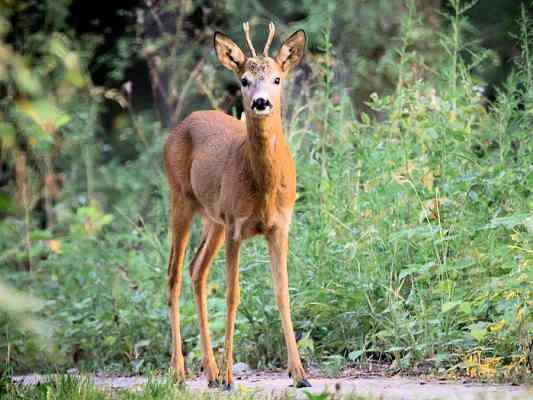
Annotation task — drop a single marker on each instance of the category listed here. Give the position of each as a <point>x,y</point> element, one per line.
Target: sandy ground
<point>394,388</point>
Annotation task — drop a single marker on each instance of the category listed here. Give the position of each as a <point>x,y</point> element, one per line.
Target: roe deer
<point>240,177</point>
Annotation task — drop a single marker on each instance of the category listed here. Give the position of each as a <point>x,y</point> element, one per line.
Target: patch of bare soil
<point>387,388</point>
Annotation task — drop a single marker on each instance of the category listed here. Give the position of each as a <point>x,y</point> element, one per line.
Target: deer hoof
<point>303,384</point>
<point>180,384</point>
<point>213,384</point>
<point>227,387</point>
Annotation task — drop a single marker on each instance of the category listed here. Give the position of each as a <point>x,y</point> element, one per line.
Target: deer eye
<point>276,81</point>
<point>244,82</point>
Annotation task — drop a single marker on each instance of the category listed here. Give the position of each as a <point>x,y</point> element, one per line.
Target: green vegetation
<point>411,241</point>
<point>68,388</point>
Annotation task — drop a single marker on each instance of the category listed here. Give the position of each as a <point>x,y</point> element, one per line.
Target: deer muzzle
<point>261,106</point>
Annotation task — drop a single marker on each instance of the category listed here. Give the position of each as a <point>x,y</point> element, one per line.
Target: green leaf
<point>354,355</point>
<point>45,114</point>
<point>7,134</point>
<point>25,78</point>
<point>449,306</point>
<point>7,203</point>
<point>140,344</point>
<point>110,340</point>
<point>416,268</point>
<point>508,222</point>
<point>478,333</point>
<point>466,308</point>
<point>58,46</point>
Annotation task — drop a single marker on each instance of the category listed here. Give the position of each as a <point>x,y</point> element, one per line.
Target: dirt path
<point>395,388</point>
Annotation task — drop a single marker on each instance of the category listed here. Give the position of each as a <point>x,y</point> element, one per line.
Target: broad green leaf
<point>478,333</point>
<point>449,306</point>
<point>7,134</point>
<point>26,80</point>
<point>44,113</point>
<point>466,308</point>
<point>508,222</point>
<point>354,355</point>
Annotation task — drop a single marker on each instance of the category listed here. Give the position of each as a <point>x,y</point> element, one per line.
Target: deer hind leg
<point>278,247</point>
<point>199,270</point>
<point>180,216</point>
<point>233,299</point>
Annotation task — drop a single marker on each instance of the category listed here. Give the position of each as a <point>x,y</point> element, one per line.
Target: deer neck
<point>263,152</point>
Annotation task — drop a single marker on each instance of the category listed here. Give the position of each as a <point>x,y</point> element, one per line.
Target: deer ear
<point>228,53</point>
<point>291,51</point>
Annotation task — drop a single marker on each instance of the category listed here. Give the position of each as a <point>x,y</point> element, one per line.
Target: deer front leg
<point>278,247</point>
<point>233,299</point>
<point>200,265</point>
<point>180,228</point>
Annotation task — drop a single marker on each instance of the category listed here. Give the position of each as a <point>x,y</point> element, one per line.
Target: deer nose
<point>260,104</point>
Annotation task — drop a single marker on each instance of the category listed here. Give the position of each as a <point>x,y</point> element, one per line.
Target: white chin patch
<point>266,111</point>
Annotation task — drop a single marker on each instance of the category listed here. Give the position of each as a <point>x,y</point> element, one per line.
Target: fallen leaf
<point>54,246</point>
<point>428,179</point>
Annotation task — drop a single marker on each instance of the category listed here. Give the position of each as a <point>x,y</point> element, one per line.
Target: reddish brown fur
<point>240,177</point>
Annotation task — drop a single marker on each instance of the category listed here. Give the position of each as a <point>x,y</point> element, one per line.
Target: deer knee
<point>233,298</point>
<point>196,284</point>
<point>197,281</point>
<point>171,282</point>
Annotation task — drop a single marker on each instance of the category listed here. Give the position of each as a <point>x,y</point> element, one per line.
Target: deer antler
<point>246,29</point>
<point>271,32</point>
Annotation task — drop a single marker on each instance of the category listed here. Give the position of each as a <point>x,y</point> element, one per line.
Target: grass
<point>410,244</point>
<point>66,387</point>
<point>69,388</point>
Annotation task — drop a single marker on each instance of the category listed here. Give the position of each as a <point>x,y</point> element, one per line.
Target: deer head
<point>261,77</point>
